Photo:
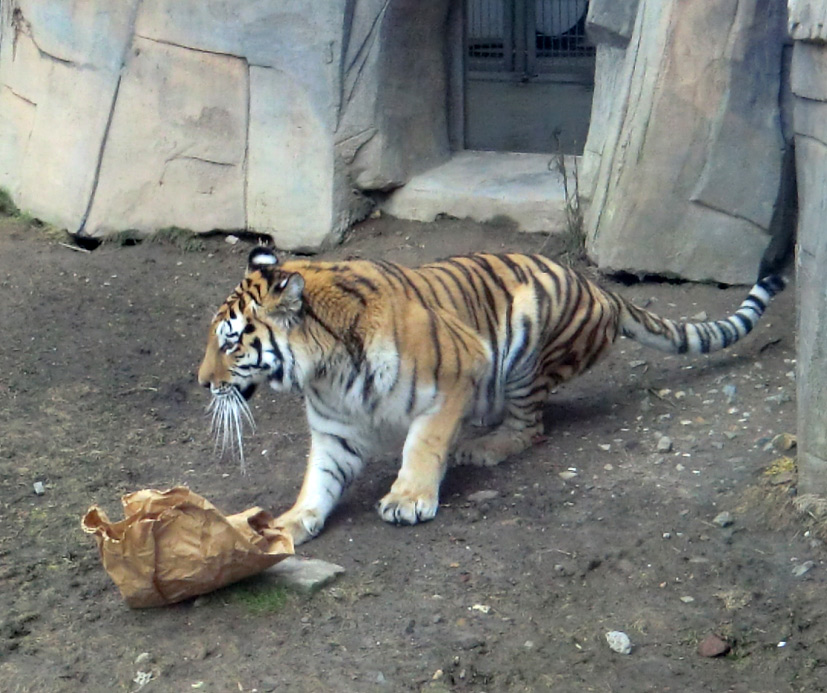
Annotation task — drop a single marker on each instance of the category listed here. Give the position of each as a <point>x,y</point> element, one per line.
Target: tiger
<point>389,357</point>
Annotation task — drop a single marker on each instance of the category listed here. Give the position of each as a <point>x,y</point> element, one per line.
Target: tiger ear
<point>288,290</point>
<point>261,258</point>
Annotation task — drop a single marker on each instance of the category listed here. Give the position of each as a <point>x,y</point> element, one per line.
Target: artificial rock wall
<point>808,26</point>
<point>267,115</point>
<point>683,161</point>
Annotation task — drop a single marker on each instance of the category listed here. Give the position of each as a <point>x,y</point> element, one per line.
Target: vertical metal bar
<point>530,33</point>
<point>519,36</point>
<point>510,48</point>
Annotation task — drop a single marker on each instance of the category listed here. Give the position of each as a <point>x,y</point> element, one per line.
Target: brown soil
<point>98,398</point>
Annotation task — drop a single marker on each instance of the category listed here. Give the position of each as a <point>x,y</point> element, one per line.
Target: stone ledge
<point>485,186</point>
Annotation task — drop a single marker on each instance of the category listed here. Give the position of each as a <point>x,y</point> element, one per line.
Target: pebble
<point>39,488</point>
<point>687,599</point>
<point>305,574</point>
<point>482,496</point>
<point>700,317</point>
<point>723,519</point>
<point>803,568</point>
<point>783,442</point>
<point>568,474</point>
<point>712,646</point>
<point>231,240</point>
<point>143,657</point>
<point>664,444</point>
<point>619,642</point>
<point>465,640</point>
<point>729,392</point>
<point>780,398</point>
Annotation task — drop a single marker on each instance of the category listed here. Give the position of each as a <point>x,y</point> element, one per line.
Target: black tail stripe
<point>746,323</point>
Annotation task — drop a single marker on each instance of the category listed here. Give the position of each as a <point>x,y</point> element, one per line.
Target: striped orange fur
<point>386,356</point>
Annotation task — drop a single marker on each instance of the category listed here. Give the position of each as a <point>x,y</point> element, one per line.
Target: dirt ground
<point>514,593</point>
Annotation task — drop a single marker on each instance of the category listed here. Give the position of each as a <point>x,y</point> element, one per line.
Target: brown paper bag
<point>175,544</point>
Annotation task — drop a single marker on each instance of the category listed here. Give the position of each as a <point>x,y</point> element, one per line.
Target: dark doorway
<point>529,75</point>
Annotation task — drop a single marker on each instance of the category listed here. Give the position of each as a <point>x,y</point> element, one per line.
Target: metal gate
<point>526,39</point>
<point>529,75</point>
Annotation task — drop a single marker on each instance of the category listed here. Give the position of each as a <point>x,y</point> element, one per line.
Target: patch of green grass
<point>575,234</point>
<point>183,239</point>
<point>127,237</point>
<point>11,210</point>
<point>7,206</point>
<point>260,599</point>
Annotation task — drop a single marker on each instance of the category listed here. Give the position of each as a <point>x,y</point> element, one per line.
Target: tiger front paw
<point>299,524</point>
<point>407,509</point>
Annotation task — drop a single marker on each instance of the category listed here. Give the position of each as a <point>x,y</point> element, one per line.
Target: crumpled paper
<point>175,544</point>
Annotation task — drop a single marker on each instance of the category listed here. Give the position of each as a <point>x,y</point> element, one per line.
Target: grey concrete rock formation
<point>683,160</point>
<point>269,116</point>
<point>809,68</point>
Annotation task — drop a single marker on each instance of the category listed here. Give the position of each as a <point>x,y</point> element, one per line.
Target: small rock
<point>636,364</point>
<point>687,599</point>
<point>568,474</point>
<point>143,657</point>
<point>232,240</point>
<point>780,398</point>
<point>39,488</point>
<point>268,685</point>
<point>782,478</point>
<point>700,317</point>
<point>305,574</point>
<point>664,444</point>
<point>619,642</point>
<point>784,442</point>
<point>730,392</point>
<point>712,646</point>
<point>482,496</point>
<point>803,568</point>
<point>465,640</point>
<point>605,447</point>
<point>723,519</point>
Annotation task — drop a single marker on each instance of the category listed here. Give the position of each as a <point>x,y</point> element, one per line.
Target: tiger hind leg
<point>519,430</point>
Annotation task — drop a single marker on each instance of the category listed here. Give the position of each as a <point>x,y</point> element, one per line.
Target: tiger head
<point>248,338</point>
<point>248,345</point>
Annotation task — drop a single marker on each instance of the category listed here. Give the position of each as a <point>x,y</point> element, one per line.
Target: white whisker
<point>229,414</point>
